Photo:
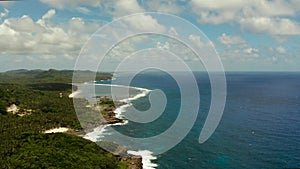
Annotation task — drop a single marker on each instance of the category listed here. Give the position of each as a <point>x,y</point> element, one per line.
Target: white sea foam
<point>140,95</point>
<point>121,110</point>
<point>75,94</point>
<point>147,156</point>
<point>98,132</point>
<point>115,85</point>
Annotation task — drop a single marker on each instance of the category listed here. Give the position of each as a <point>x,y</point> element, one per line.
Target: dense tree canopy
<point>43,102</point>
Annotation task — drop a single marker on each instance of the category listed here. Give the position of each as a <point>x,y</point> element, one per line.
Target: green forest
<point>43,102</point>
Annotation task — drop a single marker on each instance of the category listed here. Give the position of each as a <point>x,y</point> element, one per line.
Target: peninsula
<point>35,108</point>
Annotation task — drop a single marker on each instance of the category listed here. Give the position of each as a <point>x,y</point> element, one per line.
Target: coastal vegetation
<point>41,99</point>
<point>23,76</point>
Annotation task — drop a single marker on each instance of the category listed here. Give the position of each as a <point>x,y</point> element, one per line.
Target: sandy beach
<point>57,130</point>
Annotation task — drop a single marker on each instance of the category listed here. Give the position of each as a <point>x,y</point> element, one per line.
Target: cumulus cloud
<point>122,8</point>
<point>78,25</point>
<point>230,40</point>
<point>217,12</point>
<point>260,16</point>
<point>165,46</point>
<point>275,26</point>
<point>25,36</point>
<point>241,52</point>
<point>251,51</point>
<point>201,43</point>
<point>119,8</point>
<point>195,39</point>
<point>168,6</point>
<point>22,24</point>
<point>144,23</point>
<point>281,50</point>
<point>49,14</point>
<point>172,31</point>
<point>115,8</point>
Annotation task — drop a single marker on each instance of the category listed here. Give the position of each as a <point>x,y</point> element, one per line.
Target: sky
<point>248,35</point>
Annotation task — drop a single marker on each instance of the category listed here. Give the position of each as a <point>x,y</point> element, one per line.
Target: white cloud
<point>199,42</point>
<point>195,39</point>
<point>167,6</point>
<point>216,12</point>
<point>281,50</point>
<point>260,16</point>
<point>251,51</point>
<point>49,14</point>
<point>230,40</point>
<point>121,8</point>
<point>79,25</point>
<point>61,4</point>
<point>126,7</point>
<point>25,36</point>
<point>275,26</point>
<point>241,52</point>
<point>172,31</point>
<point>83,10</point>
<point>144,23</point>
<point>216,4</point>
<point>116,8</point>
<point>24,24</point>
<point>165,46</point>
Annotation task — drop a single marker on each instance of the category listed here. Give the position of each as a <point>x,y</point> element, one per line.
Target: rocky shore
<point>107,107</point>
<point>135,162</point>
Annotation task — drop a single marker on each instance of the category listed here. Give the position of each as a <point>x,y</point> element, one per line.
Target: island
<point>39,126</point>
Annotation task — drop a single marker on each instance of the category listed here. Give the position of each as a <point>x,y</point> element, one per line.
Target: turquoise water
<point>260,127</point>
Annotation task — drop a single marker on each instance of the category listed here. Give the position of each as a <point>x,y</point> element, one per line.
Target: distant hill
<point>23,76</point>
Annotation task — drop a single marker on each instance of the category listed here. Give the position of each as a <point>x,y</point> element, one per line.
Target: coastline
<point>75,93</point>
<point>95,132</point>
<point>111,118</point>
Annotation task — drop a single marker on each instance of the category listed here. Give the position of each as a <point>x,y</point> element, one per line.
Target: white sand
<point>13,109</point>
<point>57,130</point>
<point>74,94</point>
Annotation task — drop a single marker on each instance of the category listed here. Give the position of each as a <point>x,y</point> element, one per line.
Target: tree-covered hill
<point>59,150</point>
<point>43,103</point>
<point>23,76</point>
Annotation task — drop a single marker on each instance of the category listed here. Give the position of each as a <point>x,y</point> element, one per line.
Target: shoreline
<point>94,132</point>
<point>111,115</point>
<point>57,130</point>
<point>75,93</point>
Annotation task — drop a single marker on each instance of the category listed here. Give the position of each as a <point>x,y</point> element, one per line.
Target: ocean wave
<point>116,85</point>
<point>140,95</point>
<point>118,111</point>
<point>74,94</point>
<point>99,132</point>
<point>96,134</point>
<point>147,157</point>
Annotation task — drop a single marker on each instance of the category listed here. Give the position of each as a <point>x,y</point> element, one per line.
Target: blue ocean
<point>260,126</point>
